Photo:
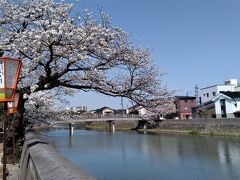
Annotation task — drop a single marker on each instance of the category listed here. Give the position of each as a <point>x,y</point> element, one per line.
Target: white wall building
<point>208,93</point>
<point>227,105</point>
<point>137,110</point>
<point>221,101</point>
<point>104,111</point>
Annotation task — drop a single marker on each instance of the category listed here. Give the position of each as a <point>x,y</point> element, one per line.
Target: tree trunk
<point>15,133</point>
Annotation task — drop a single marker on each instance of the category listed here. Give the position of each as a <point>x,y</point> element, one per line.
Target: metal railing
<point>94,116</point>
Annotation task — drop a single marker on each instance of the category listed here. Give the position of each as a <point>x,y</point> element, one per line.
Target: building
<point>208,93</point>
<point>104,111</point>
<point>227,104</point>
<point>138,110</point>
<point>224,105</point>
<point>120,111</point>
<point>219,101</point>
<point>81,109</point>
<point>184,105</point>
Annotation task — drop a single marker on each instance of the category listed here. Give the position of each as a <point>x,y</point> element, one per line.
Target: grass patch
<point>194,132</point>
<point>211,133</point>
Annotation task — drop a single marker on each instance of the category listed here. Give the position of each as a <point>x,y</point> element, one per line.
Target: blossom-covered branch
<point>61,51</point>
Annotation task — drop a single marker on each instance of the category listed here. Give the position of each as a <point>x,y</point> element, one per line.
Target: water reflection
<point>70,141</point>
<point>229,157</point>
<point>150,156</point>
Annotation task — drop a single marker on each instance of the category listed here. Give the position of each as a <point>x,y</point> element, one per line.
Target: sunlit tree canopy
<point>65,51</point>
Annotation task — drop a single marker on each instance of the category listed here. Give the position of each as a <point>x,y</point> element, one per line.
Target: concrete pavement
<point>13,169</point>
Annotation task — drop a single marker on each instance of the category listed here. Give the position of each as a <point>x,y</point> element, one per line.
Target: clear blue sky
<point>197,42</point>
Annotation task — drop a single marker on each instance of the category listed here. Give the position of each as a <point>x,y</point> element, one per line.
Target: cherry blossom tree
<point>65,51</point>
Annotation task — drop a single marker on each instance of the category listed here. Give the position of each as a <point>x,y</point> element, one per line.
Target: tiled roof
<point>231,94</point>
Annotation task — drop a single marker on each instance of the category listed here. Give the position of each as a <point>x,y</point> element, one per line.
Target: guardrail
<point>97,116</point>
<point>39,161</point>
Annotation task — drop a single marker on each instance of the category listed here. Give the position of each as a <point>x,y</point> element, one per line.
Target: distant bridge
<point>110,118</point>
<point>90,118</point>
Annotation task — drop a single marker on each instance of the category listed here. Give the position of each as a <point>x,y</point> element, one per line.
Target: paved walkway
<point>13,171</point>
<point>12,168</point>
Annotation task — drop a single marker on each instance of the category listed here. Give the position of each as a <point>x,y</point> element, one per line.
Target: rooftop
<point>185,97</point>
<point>235,94</point>
<point>230,82</point>
<point>216,85</point>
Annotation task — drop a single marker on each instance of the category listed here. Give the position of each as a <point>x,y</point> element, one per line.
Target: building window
<point>176,105</point>
<point>214,93</point>
<point>207,94</point>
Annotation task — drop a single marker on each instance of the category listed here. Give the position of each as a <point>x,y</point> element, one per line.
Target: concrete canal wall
<point>39,161</point>
<point>202,124</point>
<point>179,124</point>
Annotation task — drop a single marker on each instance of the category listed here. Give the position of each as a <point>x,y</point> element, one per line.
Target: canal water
<point>132,155</point>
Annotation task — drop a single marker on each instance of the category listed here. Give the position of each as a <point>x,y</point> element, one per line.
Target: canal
<point>132,155</point>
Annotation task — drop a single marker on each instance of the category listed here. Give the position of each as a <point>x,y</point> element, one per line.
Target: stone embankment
<point>39,161</point>
<point>202,124</point>
<point>171,125</point>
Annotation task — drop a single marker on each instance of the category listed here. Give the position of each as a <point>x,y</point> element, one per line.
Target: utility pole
<point>1,52</point>
<point>188,92</point>
<point>196,94</point>
<point>5,120</point>
<point>122,105</point>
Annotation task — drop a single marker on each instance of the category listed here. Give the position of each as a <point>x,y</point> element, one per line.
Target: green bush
<point>194,132</point>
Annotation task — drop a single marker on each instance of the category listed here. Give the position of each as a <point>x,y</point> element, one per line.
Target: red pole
<point>4,140</point>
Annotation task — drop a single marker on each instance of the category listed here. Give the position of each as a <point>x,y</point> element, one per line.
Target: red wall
<point>185,107</point>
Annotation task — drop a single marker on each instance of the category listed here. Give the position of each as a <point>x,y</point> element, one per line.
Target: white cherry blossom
<point>64,54</point>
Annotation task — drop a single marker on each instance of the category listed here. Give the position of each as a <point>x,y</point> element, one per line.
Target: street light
<point>12,109</point>
<point>9,73</point>
<point>13,106</point>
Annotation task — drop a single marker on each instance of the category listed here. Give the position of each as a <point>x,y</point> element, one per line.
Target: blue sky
<point>197,42</point>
